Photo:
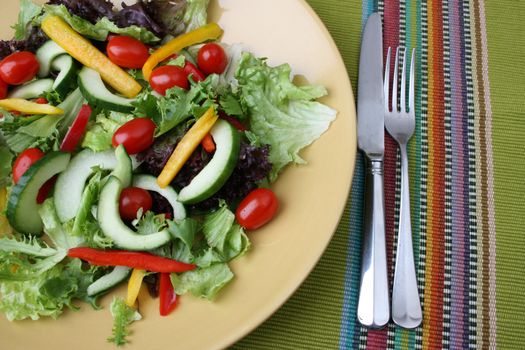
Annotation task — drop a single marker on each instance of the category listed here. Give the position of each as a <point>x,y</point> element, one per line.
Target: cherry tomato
<point>127,52</point>
<point>136,135</point>
<point>3,89</point>
<point>19,67</point>
<point>166,77</point>
<point>212,59</point>
<point>24,162</point>
<point>257,208</point>
<point>131,200</point>
<point>196,74</point>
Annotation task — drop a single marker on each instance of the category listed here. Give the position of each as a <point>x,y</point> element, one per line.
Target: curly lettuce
<point>282,114</point>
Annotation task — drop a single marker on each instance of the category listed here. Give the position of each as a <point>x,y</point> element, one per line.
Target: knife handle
<point>373,309</point>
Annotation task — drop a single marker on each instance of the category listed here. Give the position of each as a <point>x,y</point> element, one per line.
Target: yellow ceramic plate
<point>284,252</point>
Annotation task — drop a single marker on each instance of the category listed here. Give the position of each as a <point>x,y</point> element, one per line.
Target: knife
<point>373,306</point>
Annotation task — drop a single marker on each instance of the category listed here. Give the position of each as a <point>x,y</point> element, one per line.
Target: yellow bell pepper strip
<point>28,107</point>
<point>186,146</point>
<point>134,284</point>
<point>87,54</point>
<point>210,31</point>
<point>5,229</point>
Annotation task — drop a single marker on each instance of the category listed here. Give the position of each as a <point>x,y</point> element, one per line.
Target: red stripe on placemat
<point>377,339</point>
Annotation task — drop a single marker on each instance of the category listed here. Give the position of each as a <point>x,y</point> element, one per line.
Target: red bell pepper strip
<point>208,144</point>
<point>77,129</point>
<point>234,122</point>
<point>137,260</point>
<point>167,296</point>
<point>41,101</point>
<point>46,188</point>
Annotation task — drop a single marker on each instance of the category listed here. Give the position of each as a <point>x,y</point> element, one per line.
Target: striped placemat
<point>467,163</point>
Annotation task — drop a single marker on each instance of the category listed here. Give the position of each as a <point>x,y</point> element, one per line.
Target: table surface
<point>467,166</point>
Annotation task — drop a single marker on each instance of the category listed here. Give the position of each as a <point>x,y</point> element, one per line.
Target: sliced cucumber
<point>46,54</point>
<point>97,93</point>
<point>71,106</point>
<point>67,76</point>
<point>216,173</point>
<point>104,283</point>
<point>149,183</point>
<point>33,89</point>
<point>22,208</point>
<point>124,169</point>
<point>70,184</point>
<point>112,225</point>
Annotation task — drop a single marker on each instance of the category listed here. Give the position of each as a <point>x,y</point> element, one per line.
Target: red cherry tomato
<point>257,208</point>
<point>196,74</point>
<point>19,67</point>
<point>24,162</point>
<point>212,59</point>
<point>137,135</point>
<point>131,200</point>
<point>127,52</point>
<point>166,77</point>
<point>3,89</point>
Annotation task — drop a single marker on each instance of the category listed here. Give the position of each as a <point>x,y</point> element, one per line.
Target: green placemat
<point>468,190</point>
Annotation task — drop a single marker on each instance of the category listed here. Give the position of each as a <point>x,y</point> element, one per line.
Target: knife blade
<point>370,108</point>
<point>373,309</point>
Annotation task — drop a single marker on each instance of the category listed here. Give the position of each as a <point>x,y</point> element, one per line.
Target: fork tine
<point>394,85</point>
<point>386,83</point>
<point>404,83</point>
<point>412,82</point>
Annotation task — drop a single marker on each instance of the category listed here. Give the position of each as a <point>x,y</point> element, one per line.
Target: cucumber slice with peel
<point>33,89</point>
<point>45,56</point>
<point>22,208</point>
<point>97,94</point>
<point>112,226</point>
<point>149,183</point>
<point>67,76</point>
<point>210,179</point>
<point>71,183</point>
<point>108,281</point>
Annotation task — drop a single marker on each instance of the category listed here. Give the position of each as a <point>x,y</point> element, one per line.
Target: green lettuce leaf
<point>202,282</point>
<point>89,198</point>
<point>100,30</point>
<point>149,223</point>
<point>54,228</point>
<point>6,158</point>
<point>123,317</point>
<point>283,115</point>
<point>98,134</point>
<point>225,236</point>
<point>28,12</point>
<point>196,14</point>
<point>178,105</point>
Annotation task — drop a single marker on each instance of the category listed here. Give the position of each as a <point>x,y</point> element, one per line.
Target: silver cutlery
<point>373,308</point>
<point>400,123</point>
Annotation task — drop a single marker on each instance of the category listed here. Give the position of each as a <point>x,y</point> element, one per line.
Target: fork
<point>400,124</point>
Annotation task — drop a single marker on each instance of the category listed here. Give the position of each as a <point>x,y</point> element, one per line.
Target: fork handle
<point>406,307</point>
<point>373,306</point>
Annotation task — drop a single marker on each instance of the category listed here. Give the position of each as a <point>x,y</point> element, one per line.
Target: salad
<point>136,148</point>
